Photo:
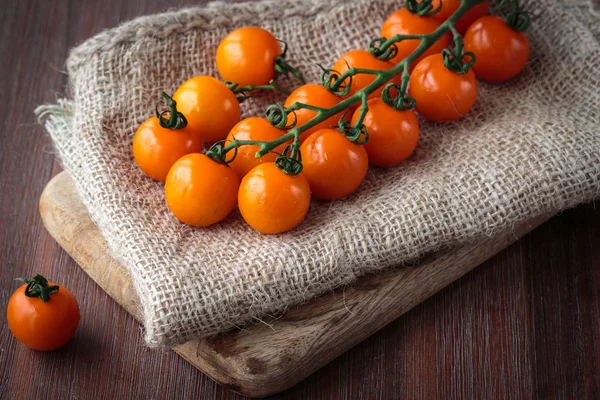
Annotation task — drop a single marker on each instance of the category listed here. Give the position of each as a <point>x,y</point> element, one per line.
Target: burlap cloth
<point>529,147</point>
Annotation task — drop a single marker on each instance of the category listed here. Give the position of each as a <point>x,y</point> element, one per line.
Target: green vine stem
<point>37,287</point>
<point>457,60</point>
<point>283,68</point>
<point>175,119</point>
<point>516,18</point>
<point>277,114</point>
<point>422,8</point>
<point>245,92</point>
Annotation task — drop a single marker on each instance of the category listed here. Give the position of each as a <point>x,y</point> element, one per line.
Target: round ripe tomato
<point>393,134</point>
<point>247,56</point>
<point>501,51</point>
<point>441,94</point>
<point>210,107</point>
<point>404,22</point>
<point>201,191</point>
<point>253,128</point>
<point>363,59</point>
<point>156,149</point>
<point>450,6</point>
<point>43,325</point>
<point>272,201</point>
<point>333,165</point>
<point>315,95</point>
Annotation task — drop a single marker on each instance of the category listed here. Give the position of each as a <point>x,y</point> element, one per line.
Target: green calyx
<point>457,60</point>
<point>175,119</point>
<point>283,68</point>
<point>37,287</point>
<point>423,8</point>
<point>516,18</point>
<point>290,161</point>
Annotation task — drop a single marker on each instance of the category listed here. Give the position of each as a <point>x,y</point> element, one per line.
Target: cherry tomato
<point>247,56</point>
<point>404,22</point>
<point>253,128</point>
<point>156,149</point>
<point>272,201</point>
<point>393,134</point>
<point>441,94</point>
<point>501,51</point>
<point>314,95</point>
<point>210,107</point>
<point>45,321</point>
<point>450,6</point>
<point>333,165</point>
<point>201,191</point>
<point>363,59</point>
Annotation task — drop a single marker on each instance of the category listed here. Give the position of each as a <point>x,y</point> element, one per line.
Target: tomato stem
<point>37,287</point>
<point>457,60</point>
<point>240,91</point>
<point>517,19</point>
<point>422,8</point>
<point>175,119</point>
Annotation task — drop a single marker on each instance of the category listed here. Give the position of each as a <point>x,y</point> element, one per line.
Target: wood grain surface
<point>525,324</point>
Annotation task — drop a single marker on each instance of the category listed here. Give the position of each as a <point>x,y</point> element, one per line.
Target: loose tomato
<point>404,22</point>
<point>156,149</point>
<point>441,94</point>
<point>501,51</point>
<point>362,59</point>
<point>201,191</point>
<point>42,315</point>
<point>333,165</point>
<point>247,56</point>
<point>253,128</point>
<point>393,134</point>
<point>450,6</point>
<point>272,201</point>
<point>314,95</point>
<point>210,107</point>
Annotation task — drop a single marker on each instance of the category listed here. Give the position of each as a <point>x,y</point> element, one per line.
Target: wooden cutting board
<point>269,357</point>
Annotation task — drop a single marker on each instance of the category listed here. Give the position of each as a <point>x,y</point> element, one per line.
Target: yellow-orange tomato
<point>210,107</point>
<point>363,59</point>
<point>393,134</point>
<point>501,51</point>
<point>43,325</point>
<point>441,95</point>
<point>272,201</point>
<point>156,149</point>
<point>253,128</point>
<point>404,22</point>
<point>247,56</point>
<point>333,165</point>
<point>314,95</point>
<point>201,191</point>
<point>450,6</point>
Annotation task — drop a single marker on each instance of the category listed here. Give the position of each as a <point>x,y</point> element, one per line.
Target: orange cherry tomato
<point>210,107</point>
<point>253,128</point>
<point>156,149</point>
<point>404,22</point>
<point>450,6</point>
<point>44,322</point>
<point>201,191</point>
<point>315,95</point>
<point>441,94</point>
<point>272,201</point>
<point>247,56</point>
<point>501,51</point>
<point>393,134</point>
<point>363,59</point>
<point>333,165</point>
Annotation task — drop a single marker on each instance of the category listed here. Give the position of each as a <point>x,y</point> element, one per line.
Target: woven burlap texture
<point>529,147</point>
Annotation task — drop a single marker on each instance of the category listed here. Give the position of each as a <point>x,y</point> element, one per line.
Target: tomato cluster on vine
<point>319,143</point>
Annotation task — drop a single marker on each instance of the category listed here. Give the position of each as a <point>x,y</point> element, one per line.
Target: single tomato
<point>258,129</point>
<point>450,6</point>
<point>42,315</point>
<point>362,59</point>
<point>210,107</point>
<point>314,95</point>
<point>333,165</point>
<point>501,51</point>
<point>393,134</point>
<point>247,56</point>
<point>201,191</point>
<point>403,22</point>
<point>156,149</point>
<point>441,94</point>
<point>272,201</point>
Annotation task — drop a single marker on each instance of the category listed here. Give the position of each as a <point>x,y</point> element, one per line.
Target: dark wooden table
<point>525,324</point>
